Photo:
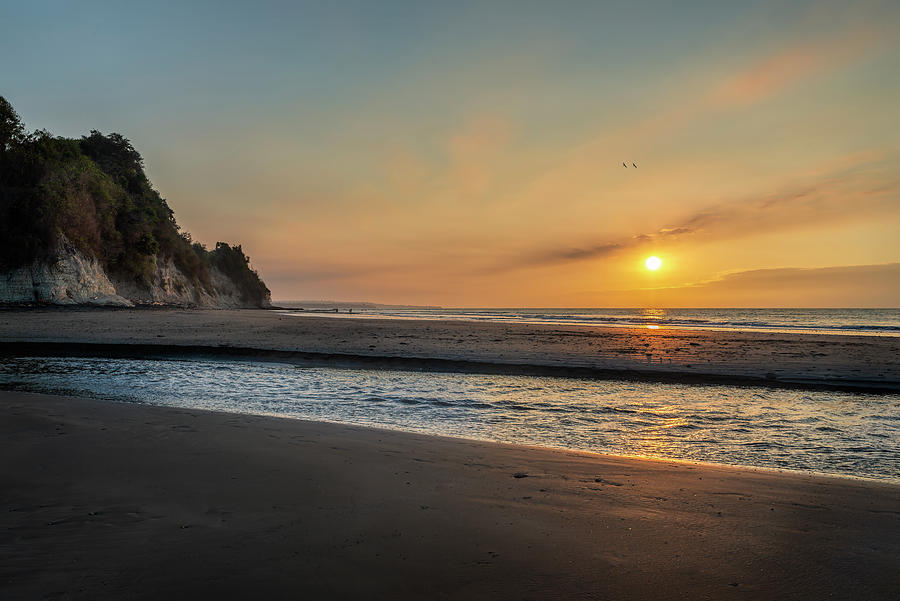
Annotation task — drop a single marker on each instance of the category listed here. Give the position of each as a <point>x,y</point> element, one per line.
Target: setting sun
<point>653,263</point>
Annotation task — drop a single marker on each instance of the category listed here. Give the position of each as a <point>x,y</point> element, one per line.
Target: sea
<point>871,322</point>
<point>827,432</point>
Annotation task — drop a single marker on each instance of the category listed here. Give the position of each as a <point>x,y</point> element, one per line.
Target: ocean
<point>814,431</point>
<point>872,322</point>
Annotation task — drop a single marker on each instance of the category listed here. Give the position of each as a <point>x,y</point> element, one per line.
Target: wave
<point>840,321</point>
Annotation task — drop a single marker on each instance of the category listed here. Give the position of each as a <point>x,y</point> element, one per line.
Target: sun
<point>653,263</point>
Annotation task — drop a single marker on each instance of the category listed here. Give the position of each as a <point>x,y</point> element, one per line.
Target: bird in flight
<point>633,165</point>
<point>624,165</point>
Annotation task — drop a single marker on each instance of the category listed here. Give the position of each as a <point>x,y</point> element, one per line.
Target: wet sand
<point>852,362</point>
<point>106,500</point>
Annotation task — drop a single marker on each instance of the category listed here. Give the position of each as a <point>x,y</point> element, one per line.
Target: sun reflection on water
<point>831,432</point>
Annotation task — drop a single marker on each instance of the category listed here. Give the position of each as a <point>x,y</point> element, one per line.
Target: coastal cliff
<point>80,223</point>
<point>69,277</point>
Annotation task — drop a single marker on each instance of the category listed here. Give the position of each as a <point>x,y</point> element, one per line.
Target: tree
<point>117,157</point>
<point>147,244</point>
<point>11,129</point>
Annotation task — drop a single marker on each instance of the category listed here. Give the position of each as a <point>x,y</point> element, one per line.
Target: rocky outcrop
<point>71,278</point>
<point>171,287</point>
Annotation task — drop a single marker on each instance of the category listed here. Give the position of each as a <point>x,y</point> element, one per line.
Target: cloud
<point>676,231</point>
<point>474,152</point>
<point>802,276</point>
<point>875,285</point>
<point>587,253</point>
<point>764,76</point>
<point>598,250</point>
<point>851,190</point>
<point>790,65</point>
<point>293,274</point>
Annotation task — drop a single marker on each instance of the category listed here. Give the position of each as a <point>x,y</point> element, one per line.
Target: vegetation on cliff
<point>94,192</point>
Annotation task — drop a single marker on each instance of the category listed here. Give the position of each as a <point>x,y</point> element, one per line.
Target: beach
<point>116,500</point>
<point>107,500</point>
<point>839,361</point>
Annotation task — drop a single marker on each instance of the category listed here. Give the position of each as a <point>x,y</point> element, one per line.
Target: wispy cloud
<point>876,285</point>
<point>474,150</point>
<point>763,76</point>
<point>791,64</point>
<point>842,194</point>
<point>298,275</point>
<point>804,276</point>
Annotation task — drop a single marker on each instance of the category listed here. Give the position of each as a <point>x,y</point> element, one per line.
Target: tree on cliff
<point>232,261</point>
<point>11,129</point>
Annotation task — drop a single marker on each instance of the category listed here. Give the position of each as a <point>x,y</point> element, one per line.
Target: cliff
<point>80,223</point>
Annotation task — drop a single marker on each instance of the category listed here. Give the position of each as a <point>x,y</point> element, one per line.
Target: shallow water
<point>826,432</point>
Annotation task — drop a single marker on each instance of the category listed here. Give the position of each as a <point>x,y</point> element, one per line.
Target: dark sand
<point>851,362</point>
<point>103,500</point>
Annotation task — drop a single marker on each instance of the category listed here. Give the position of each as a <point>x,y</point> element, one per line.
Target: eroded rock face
<point>73,278</point>
<point>172,287</point>
<point>70,279</point>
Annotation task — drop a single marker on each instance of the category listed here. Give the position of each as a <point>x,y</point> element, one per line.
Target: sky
<point>471,154</point>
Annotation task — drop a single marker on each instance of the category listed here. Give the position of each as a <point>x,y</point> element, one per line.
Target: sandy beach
<point>840,361</point>
<point>108,500</point>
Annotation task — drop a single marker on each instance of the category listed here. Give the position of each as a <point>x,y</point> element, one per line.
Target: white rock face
<point>72,278</point>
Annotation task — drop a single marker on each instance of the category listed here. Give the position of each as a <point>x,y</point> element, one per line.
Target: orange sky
<point>472,156</point>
